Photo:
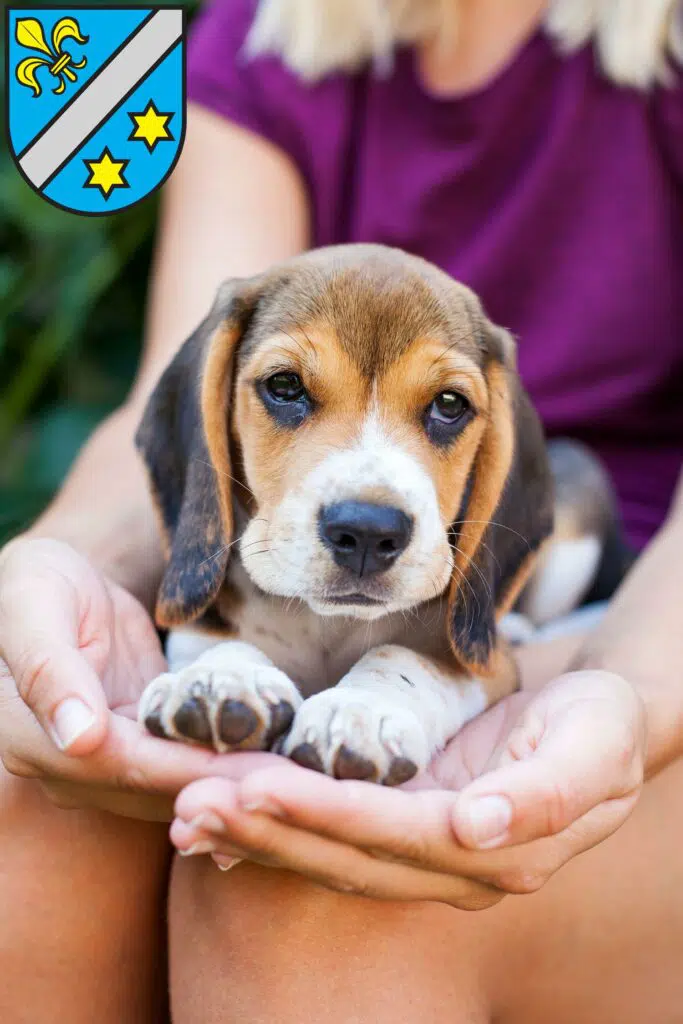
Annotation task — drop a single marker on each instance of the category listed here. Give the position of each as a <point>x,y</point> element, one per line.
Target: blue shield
<point>96,101</point>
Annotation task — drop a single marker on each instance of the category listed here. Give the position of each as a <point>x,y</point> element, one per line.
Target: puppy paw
<point>244,706</point>
<point>356,734</point>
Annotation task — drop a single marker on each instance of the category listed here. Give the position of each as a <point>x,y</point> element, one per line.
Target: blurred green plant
<point>72,292</point>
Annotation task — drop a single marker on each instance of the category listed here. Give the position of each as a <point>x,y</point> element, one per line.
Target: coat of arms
<point>96,101</point>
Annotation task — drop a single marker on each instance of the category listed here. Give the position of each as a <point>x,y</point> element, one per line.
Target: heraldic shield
<point>95,101</point>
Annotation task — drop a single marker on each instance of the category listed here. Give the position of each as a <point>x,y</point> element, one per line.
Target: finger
<point>129,759</point>
<point>412,828</point>
<point>594,827</point>
<point>39,630</point>
<point>142,807</point>
<point>586,756</point>
<point>395,826</point>
<point>134,761</point>
<point>206,834</point>
<point>333,864</point>
<point>478,744</point>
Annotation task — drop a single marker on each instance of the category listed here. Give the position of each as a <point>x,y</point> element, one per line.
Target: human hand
<point>76,650</point>
<point>536,780</point>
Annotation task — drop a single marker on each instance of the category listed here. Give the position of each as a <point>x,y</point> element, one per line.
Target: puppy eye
<point>449,407</point>
<point>285,398</point>
<point>446,416</point>
<point>285,387</point>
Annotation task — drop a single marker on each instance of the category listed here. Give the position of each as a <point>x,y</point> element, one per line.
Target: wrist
<point>652,680</point>
<point>116,549</point>
<point>104,510</point>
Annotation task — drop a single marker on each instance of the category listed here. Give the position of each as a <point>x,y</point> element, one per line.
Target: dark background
<point>72,292</point>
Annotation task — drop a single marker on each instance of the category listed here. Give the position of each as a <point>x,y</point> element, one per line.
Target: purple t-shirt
<point>553,194</point>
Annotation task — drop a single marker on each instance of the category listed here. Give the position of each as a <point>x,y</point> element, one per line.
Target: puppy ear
<point>506,514</point>
<point>183,439</point>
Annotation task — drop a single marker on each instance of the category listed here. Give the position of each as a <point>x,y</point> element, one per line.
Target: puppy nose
<point>365,538</point>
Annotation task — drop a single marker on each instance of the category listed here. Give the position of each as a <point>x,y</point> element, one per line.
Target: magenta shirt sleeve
<point>310,123</point>
<point>218,75</point>
<point>254,94</point>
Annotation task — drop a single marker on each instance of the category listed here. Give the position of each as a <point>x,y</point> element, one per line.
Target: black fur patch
<point>521,522</point>
<point>184,483</point>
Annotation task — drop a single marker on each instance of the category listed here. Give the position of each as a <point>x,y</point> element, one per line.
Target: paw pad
<point>350,765</point>
<point>245,707</point>
<point>354,734</point>
<point>308,757</point>
<point>236,722</point>
<point>192,721</point>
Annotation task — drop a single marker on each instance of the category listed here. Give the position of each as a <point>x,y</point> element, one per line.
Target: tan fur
<point>215,394</point>
<point>520,580</point>
<point>273,458</point>
<point>493,462</point>
<point>494,459</point>
<point>425,369</point>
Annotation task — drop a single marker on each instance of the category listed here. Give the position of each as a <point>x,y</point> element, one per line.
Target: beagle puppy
<point>352,487</point>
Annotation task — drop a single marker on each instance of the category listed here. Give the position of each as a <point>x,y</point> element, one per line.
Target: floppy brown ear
<point>506,515</point>
<point>183,439</point>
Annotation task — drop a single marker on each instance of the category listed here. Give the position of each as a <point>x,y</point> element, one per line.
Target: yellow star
<point>106,173</point>
<point>150,127</point>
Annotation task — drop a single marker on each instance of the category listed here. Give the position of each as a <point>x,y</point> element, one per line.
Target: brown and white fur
<point>354,656</point>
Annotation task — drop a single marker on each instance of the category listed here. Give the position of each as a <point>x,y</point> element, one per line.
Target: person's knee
<point>243,945</point>
<point>70,851</point>
<point>256,903</point>
<point>82,896</point>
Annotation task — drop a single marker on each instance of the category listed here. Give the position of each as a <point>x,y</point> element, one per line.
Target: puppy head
<point>384,450</point>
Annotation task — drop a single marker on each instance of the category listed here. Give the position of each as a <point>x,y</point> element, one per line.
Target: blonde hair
<point>634,39</point>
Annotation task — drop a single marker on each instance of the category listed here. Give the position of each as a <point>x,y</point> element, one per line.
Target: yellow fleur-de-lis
<point>30,34</point>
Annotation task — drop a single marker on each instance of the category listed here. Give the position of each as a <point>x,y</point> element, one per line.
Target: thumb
<point>582,759</point>
<point>39,642</point>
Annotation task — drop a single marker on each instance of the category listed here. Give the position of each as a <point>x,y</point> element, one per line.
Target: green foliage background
<point>72,293</point>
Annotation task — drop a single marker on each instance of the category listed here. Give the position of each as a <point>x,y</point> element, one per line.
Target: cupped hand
<point>76,651</point>
<point>525,787</point>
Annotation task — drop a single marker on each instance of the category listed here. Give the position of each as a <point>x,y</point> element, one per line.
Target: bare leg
<point>260,945</point>
<point>600,944</point>
<point>81,927</point>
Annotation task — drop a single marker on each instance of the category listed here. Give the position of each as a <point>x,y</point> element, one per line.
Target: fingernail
<point>225,863</point>
<point>487,820</point>
<point>203,846</point>
<point>261,804</point>
<point>70,720</point>
<point>208,821</point>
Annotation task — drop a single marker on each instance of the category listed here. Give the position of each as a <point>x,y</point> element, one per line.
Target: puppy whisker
<point>220,551</point>
<point>488,590</point>
<point>491,522</point>
<point>227,547</point>
<point>482,543</point>
<point>462,575</point>
<point>222,472</point>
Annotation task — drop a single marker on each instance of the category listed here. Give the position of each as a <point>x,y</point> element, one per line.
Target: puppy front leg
<point>387,717</point>
<point>232,697</point>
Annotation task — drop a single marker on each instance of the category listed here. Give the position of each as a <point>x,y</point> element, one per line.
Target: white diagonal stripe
<point>102,95</point>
